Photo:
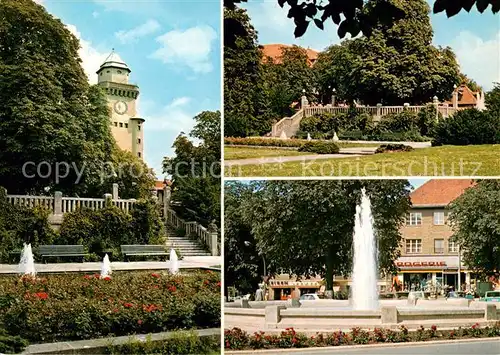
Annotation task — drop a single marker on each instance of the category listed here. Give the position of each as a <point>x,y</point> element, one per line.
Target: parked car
<point>309,297</point>
<point>491,296</point>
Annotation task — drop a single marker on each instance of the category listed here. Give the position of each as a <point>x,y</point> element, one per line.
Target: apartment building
<point>427,252</point>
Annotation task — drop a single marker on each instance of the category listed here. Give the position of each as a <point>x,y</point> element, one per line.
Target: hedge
<point>384,148</point>
<point>320,147</point>
<point>76,307</point>
<point>265,142</point>
<point>237,339</point>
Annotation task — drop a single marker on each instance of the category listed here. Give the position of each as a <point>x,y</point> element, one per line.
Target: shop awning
<point>423,263</point>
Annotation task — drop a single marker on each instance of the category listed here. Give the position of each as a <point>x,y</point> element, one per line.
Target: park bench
<point>61,251</point>
<point>143,250</point>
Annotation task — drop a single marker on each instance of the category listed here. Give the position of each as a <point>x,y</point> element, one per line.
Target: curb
<point>352,347</point>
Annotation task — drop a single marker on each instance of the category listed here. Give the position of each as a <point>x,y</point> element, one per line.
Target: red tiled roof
<point>159,185</point>
<point>466,97</point>
<point>439,192</point>
<point>275,51</point>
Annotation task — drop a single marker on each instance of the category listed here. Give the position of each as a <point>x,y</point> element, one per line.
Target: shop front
<point>283,289</point>
<point>422,273</point>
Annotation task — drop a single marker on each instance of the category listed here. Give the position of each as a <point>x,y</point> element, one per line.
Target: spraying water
<point>309,137</point>
<point>174,262</point>
<point>27,262</point>
<point>105,267</point>
<point>364,278</point>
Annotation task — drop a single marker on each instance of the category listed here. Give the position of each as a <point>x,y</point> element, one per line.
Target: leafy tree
<point>306,227</point>
<point>242,75</point>
<point>243,266</point>
<point>196,171</point>
<point>492,100</point>
<point>48,111</point>
<point>475,219</point>
<point>396,64</point>
<point>134,178</point>
<point>350,16</point>
<point>470,83</point>
<point>285,81</point>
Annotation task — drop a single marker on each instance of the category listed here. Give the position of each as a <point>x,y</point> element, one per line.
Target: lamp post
<point>333,96</point>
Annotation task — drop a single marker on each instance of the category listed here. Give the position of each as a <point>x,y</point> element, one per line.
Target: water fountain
<point>364,294</point>
<point>105,267</point>
<point>309,137</point>
<point>174,262</point>
<point>27,262</point>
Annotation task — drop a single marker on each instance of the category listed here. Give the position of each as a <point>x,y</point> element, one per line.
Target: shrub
<point>236,339</point>
<point>320,147</point>
<point>19,224</point>
<point>427,119</point>
<point>384,148</point>
<point>147,224</point>
<point>468,127</point>
<point>10,344</point>
<point>404,121</point>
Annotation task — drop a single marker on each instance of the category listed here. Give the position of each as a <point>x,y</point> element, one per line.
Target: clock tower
<point>127,128</point>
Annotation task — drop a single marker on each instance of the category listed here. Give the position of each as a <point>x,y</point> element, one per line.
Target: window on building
<point>116,124</point>
<point>452,247</point>
<point>414,219</point>
<point>126,125</point>
<point>138,127</point>
<point>119,71</point>
<point>138,141</point>
<point>139,154</point>
<point>121,124</point>
<point>107,71</point>
<point>439,246</point>
<point>438,218</point>
<point>413,246</point>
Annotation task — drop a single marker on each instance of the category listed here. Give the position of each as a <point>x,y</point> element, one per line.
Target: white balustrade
<point>32,201</point>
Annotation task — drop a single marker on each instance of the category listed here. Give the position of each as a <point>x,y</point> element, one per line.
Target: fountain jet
<point>364,277</point>
<point>27,262</point>
<point>105,267</point>
<point>174,262</point>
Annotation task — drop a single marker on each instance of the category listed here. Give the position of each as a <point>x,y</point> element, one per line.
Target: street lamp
<point>333,96</point>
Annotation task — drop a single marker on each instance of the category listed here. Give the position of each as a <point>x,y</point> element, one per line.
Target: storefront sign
<point>420,263</point>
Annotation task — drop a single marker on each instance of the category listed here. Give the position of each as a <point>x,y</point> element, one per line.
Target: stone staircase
<point>185,245</point>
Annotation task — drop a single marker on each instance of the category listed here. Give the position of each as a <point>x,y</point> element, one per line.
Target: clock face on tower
<point>120,107</point>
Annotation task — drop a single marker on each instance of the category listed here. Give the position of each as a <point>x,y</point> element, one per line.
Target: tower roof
<point>114,61</point>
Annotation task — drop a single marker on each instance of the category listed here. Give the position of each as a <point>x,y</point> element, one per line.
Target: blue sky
<point>474,37</point>
<point>172,48</point>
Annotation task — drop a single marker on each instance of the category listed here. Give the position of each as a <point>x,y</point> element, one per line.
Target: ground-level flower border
<point>237,339</point>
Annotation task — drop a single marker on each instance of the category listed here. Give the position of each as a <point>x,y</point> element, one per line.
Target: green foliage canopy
<point>475,219</point>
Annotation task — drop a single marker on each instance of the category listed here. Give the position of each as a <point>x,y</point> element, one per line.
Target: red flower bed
<point>71,306</point>
<point>237,339</point>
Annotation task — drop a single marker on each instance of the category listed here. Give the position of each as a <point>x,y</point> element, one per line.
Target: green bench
<point>143,250</point>
<point>61,251</point>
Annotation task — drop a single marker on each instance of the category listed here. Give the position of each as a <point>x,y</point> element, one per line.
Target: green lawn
<point>482,160</point>
<point>235,152</point>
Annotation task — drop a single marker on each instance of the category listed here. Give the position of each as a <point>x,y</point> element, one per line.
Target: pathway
<point>189,262</point>
<point>344,153</point>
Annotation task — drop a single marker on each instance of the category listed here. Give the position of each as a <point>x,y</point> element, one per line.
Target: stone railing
<point>290,125</point>
<point>60,205</point>
<point>207,238</point>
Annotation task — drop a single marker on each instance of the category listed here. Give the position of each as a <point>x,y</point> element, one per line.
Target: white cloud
<point>149,27</point>
<point>91,57</point>
<point>95,14</point>
<point>175,117</point>
<point>40,2</point>
<point>191,48</point>
<point>478,58</point>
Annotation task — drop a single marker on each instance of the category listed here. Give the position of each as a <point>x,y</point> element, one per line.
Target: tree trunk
<point>329,276</point>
